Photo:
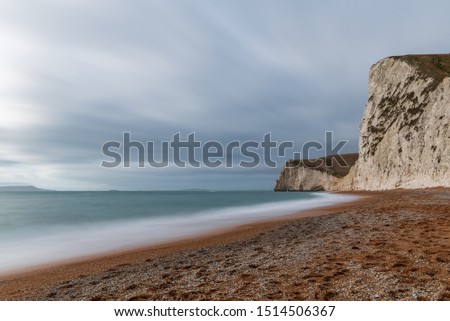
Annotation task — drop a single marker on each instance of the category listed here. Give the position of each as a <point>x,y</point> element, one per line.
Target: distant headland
<point>21,188</point>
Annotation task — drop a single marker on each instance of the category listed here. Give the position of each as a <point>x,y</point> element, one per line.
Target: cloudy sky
<point>76,74</point>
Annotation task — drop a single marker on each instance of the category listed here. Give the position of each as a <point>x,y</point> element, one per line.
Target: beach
<point>392,245</point>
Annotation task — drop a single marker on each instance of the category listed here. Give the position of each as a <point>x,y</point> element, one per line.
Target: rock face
<point>317,175</point>
<point>404,133</point>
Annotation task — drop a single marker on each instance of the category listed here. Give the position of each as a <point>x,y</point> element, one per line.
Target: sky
<point>77,74</point>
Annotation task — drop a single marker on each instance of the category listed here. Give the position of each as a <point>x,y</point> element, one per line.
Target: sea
<point>40,228</point>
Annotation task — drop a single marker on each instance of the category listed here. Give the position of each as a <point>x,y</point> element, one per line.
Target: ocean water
<point>46,227</point>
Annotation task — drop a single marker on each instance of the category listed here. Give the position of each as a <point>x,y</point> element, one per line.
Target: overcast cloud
<point>75,74</point>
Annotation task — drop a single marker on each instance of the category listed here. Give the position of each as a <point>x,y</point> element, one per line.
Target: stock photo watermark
<point>212,154</point>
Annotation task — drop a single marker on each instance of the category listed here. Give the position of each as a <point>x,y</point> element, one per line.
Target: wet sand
<point>391,245</point>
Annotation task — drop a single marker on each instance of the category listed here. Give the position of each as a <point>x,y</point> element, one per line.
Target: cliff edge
<point>404,134</point>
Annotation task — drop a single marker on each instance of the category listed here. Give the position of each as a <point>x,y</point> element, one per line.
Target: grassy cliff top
<point>434,66</point>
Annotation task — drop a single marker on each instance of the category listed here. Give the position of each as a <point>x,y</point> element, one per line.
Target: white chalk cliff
<point>404,133</point>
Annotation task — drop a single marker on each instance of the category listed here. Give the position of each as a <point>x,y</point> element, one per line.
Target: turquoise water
<point>44,227</point>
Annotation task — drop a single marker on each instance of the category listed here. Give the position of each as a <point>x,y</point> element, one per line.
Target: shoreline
<point>170,263</point>
<point>45,274</point>
<point>72,244</point>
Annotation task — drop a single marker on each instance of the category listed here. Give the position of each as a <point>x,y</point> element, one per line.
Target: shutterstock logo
<point>212,154</point>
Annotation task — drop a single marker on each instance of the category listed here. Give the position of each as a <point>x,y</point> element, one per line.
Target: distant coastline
<point>22,188</point>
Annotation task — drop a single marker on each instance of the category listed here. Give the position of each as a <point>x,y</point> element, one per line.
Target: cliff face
<point>404,133</point>
<point>304,179</point>
<point>317,175</point>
